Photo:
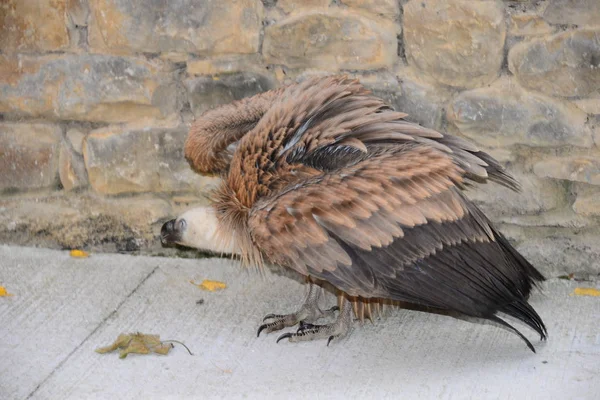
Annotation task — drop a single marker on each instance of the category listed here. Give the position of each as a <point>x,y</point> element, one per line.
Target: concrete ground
<point>62,308</point>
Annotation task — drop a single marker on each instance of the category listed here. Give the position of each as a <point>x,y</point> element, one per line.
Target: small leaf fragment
<point>121,342</point>
<point>4,292</point>
<point>209,285</point>
<point>79,254</point>
<point>163,348</point>
<point>581,291</point>
<point>135,346</point>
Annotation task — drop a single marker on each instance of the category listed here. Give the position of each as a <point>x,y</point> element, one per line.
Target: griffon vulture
<point>325,178</point>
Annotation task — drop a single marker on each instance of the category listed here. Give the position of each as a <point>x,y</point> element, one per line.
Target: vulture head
<point>196,228</point>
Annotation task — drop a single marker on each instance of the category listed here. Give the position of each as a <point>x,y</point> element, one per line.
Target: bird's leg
<point>339,328</point>
<point>309,312</point>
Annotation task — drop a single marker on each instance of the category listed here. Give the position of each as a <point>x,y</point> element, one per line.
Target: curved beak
<point>169,233</point>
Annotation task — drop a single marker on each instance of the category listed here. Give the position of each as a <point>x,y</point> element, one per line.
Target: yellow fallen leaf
<point>209,285</point>
<point>79,254</point>
<point>582,291</point>
<point>3,292</point>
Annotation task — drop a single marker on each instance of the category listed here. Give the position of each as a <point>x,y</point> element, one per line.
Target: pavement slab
<point>63,308</point>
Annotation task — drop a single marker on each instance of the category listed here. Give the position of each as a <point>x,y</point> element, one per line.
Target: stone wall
<point>96,97</point>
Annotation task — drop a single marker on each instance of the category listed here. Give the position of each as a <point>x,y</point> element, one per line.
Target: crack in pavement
<point>93,332</point>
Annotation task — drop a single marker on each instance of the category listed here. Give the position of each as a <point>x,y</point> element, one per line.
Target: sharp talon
<point>284,336</point>
<point>269,316</point>
<point>260,329</point>
<point>334,308</point>
<point>329,340</point>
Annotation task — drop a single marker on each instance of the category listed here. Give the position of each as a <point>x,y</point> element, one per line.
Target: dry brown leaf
<point>138,343</point>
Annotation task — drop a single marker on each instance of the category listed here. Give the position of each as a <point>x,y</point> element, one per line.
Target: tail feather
<point>502,322</point>
<point>524,312</point>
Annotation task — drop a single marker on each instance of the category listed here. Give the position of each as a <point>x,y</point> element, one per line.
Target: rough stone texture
<point>386,8</point>
<point>141,157</point>
<point>423,102</point>
<point>587,202</point>
<point>562,253</point>
<point>223,65</point>
<point>85,87</point>
<point>537,196</point>
<point>289,6</point>
<point>71,168</point>
<point>559,218</point>
<point>590,106</point>
<point>208,92</point>
<point>28,155</point>
<point>76,138</point>
<point>189,26</point>
<point>33,25</point>
<point>78,12</point>
<point>504,114</point>
<point>331,40</point>
<point>584,169</point>
<point>80,220</point>
<point>458,43</point>
<point>528,25</point>
<point>575,12</point>
<point>566,64</point>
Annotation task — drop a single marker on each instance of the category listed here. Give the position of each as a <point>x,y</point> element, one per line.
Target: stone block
<point>76,138</point>
<point>289,6</point>
<point>224,64</point>
<point>566,64</point>
<point>573,12</point>
<point>71,168</point>
<point>208,92</point>
<point>140,157</point>
<point>385,8</point>
<point>584,169</point>
<point>561,252</point>
<point>186,26</point>
<point>589,106</point>
<point>330,40</point>
<point>83,220</point>
<point>79,12</point>
<point>85,87</point>
<point>33,25</point>
<point>536,196</point>
<point>458,43</point>
<point>423,102</point>
<point>587,201</point>
<point>528,25</point>
<point>29,155</point>
<point>504,114</point>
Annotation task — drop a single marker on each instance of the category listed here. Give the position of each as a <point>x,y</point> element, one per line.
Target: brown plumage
<point>325,178</point>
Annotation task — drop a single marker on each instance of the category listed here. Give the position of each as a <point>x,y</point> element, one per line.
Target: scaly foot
<point>339,328</point>
<point>309,312</point>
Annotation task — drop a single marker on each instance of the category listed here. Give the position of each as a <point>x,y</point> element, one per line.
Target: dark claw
<point>334,308</point>
<point>329,340</point>
<point>284,336</point>
<point>260,329</point>
<point>272,316</point>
